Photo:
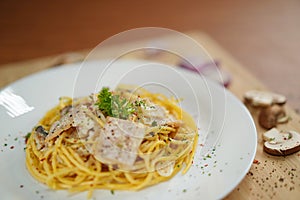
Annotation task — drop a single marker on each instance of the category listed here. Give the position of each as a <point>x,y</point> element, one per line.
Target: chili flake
<point>255,161</point>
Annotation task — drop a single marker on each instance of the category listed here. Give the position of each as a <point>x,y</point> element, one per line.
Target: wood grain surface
<point>270,177</point>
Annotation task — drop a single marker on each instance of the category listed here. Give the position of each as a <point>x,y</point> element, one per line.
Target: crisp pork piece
<point>61,125</point>
<point>152,113</point>
<point>119,142</point>
<point>74,117</point>
<point>83,122</point>
<point>87,128</point>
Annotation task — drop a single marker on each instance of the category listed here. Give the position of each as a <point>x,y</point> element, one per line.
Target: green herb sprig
<point>104,101</point>
<point>114,105</point>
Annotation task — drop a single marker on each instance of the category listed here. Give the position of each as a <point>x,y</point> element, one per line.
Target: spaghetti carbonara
<point>125,139</point>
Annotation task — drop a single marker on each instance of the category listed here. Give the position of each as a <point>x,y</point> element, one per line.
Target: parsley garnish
<point>140,103</point>
<point>104,101</point>
<point>121,108</point>
<point>154,123</point>
<point>114,105</point>
<point>27,136</point>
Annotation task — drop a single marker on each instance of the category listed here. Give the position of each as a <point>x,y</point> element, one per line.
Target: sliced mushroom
<point>262,98</point>
<point>40,129</point>
<point>39,136</point>
<point>270,116</point>
<point>281,143</point>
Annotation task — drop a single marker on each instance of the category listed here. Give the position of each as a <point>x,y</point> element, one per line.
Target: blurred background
<point>262,35</point>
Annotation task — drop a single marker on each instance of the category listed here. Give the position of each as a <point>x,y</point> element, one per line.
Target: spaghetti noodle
<point>140,140</point>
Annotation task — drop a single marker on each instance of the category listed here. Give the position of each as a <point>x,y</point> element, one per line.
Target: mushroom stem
<point>271,115</point>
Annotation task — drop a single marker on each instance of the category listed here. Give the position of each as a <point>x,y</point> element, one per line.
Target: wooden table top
<point>270,177</point>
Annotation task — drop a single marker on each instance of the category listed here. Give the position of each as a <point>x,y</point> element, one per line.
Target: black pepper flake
<point>21,186</point>
<point>273,170</point>
<point>281,179</point>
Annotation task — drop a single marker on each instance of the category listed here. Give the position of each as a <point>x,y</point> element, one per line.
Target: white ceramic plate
<point>227,143</point>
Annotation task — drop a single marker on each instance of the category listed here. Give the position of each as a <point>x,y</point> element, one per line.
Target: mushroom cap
<point>281,143</point>
<point>259,98</point>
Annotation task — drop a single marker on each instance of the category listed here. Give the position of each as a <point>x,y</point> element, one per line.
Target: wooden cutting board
<point>270,177</point>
